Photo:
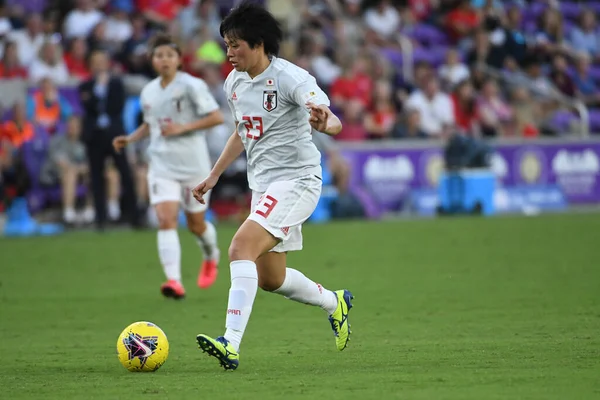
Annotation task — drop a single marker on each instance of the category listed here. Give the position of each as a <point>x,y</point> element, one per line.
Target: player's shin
<point>296,286</point>
<point>244,284</point>
<point>208,242</point>
<point>169,253</point>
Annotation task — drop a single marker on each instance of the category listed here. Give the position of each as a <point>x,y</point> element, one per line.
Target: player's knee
<point>196,226</point>
<point>239,249</point>
<point>166,221</point>
<point>269,283</point>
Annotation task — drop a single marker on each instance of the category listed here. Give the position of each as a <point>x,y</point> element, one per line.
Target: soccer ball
<point>142,347</point>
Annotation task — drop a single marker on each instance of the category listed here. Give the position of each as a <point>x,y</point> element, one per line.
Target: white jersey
<point>184,100</point>
<point>273,122</point>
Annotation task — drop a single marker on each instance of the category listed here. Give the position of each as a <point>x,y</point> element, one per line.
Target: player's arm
<point>233,149</point>
<point>322,119</point>
<point>121,141</point>
<point>309,95</point>
<point>204,104</point>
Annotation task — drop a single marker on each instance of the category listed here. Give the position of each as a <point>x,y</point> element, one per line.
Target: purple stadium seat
<point>595,120</point>
<point>562,120</point>
<point>427,34</point>
<point>30,6</point>
<point>570,10</point>
<point>595,73</point>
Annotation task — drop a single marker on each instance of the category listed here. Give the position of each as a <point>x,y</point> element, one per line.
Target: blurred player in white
<point>276,105</point>
<point>177,108</point>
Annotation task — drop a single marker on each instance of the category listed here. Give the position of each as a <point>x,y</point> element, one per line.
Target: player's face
<point>165,60</point>
<point>240,55</point>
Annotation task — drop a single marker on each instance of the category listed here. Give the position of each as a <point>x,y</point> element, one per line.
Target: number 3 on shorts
<point>265,205</point>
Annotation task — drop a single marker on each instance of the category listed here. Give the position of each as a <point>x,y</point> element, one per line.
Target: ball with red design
<point>142,347</point>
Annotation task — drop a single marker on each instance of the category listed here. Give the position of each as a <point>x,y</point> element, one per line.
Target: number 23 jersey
<point>273,122</point>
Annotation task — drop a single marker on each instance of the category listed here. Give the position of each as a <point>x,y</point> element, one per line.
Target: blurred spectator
<point>118,26</point>
<point>527,113</point>
<point>323,68</point>
<point>354,83</point>
<point>66,165</point>
<point>76,59</point>
<point>550,38</point>
<point>453,71</point>
<point>559,76</point>
<point>349,28</point>
<point>103,99</point>
<point>586,87</point>
<point>134,55</point>
<point>29,40</point>
<point>585,36</point>
<point>409,127</point>
<point>161,12</point>
<point>10,68</point>
<point>352,118</point>
<point>203,13</point>
<point>435,108</point>
<point>49,64</point>
<point>80,21</point>
<point>383,21</point>
<point>465,109</point>
<point>18,129</point>
<point>421,9</point>
<point>462,21</point>
<point>380,121</point>
<point>46,107</point>
<point>494,113</point>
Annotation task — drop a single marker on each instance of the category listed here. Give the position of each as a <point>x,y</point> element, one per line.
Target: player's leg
<point>113,184</point>
<point>250,241</point>
<point>274,276</point>
<point>68,183</point>
<point>206,236</point>
<point>164,197</point>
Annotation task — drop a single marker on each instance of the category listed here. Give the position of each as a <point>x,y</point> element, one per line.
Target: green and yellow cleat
<point>339,319</point>
<point>221,349</point>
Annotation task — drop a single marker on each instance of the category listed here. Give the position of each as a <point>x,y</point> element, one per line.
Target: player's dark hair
<point>254,24</point>
<point>163,39</point>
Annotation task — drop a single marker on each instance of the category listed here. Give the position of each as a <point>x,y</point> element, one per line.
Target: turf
<point>505,308</point>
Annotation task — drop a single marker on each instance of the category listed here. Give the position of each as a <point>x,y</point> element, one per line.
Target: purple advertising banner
<point>384,177</point>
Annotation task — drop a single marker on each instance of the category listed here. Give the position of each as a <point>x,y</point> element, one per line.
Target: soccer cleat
<point>339,319</point>
<point>221,349</point>
<point>208,274</point>
<point>173,289</point>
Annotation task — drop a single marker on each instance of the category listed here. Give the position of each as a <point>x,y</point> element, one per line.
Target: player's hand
<point>318,116</point>
<point>172,129</point>
<point>120,142</point>
<point>204,186</point>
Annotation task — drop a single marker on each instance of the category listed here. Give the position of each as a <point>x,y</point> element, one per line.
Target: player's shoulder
<point>150,87</point>
<point>190,81</point>
<point>232,80</point>
<point>289,74</point>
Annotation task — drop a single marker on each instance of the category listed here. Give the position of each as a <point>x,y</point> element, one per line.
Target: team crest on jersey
<point>270,100</point>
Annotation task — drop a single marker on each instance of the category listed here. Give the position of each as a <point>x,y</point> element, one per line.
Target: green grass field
<point>505,308</point>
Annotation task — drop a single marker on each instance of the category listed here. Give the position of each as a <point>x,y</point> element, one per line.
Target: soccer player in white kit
<point>177,109</point>
<point>276,105</point>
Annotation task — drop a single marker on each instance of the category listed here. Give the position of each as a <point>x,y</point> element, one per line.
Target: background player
<point>177,108</point>
<point>270,99</point>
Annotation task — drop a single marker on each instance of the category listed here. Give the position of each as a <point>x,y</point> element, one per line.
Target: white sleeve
<point>201,98</point>
<point>309,91</point>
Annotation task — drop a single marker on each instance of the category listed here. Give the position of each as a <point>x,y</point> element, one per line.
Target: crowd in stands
<point>483,68</point>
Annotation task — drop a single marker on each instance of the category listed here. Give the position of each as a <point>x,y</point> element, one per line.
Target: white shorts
<point>283,207</point>
<point>162,189</point>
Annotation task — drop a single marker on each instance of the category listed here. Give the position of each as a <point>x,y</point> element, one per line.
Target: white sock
<point>114,210</point>
<point>208,243</point>
<point>169,252</point>
<point>296,286</point>
<point>244,284</point>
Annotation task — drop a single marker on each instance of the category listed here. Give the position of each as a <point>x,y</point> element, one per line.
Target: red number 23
<point>253,130</point>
